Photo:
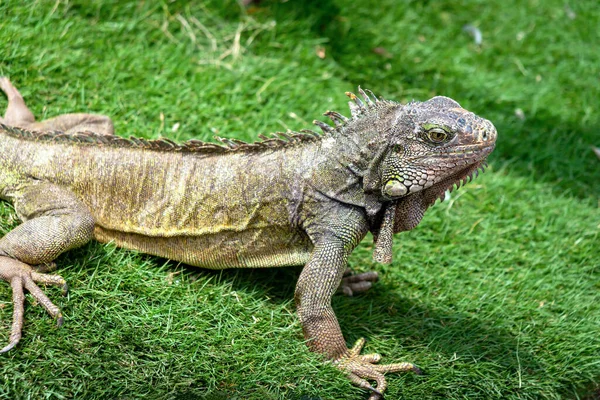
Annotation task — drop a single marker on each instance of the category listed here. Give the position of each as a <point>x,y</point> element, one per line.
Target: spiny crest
<point>276,140</point>
<point>358,107</point>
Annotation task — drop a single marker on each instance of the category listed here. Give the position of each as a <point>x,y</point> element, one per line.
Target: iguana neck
<point>351,153</point>
<point>360,143</point>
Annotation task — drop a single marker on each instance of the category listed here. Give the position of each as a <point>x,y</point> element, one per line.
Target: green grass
<point>496,295</point>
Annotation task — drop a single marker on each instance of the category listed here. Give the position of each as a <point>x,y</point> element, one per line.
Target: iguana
<point>296,198</point>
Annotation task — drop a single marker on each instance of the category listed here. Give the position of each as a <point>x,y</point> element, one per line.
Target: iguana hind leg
<point>17,114</point>
<point>54,221</point>
<point>73,123</point>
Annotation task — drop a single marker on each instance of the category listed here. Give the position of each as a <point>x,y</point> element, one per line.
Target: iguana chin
<point>294,198</point>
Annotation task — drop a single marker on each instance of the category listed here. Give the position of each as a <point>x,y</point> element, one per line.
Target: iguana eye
<point>398,148</point>
<point>437,135</point>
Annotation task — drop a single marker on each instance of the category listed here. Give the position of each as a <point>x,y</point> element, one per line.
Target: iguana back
<point>198,206</point>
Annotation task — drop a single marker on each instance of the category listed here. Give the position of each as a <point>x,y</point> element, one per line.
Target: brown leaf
<point>382,52</point>
<point>320,50</point>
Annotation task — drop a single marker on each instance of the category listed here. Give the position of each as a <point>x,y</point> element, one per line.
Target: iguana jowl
<point>297,198</point>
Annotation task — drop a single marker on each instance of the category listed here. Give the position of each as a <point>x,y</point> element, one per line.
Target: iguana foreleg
<point>54,221</point>
<point>316,285</point>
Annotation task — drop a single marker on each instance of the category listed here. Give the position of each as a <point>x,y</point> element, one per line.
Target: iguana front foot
<point>20,276</point>
<point>359,368</point>
<point>358,283</point>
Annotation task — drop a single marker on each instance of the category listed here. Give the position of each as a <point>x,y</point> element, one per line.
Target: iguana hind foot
<point>22,276</point>
<point>359,368</point>
<point>17,114</point>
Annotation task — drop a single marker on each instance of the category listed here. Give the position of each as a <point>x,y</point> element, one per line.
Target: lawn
<point>496,295</point>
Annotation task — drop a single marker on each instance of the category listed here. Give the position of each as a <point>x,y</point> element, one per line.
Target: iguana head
<point>419,151</point>
<point>411,153</point>
<point>432,146</point>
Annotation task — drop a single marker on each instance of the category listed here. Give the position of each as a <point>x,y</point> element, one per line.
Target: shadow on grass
<point>446,332</point>
<point>453,335</point>
<point>276,283</point>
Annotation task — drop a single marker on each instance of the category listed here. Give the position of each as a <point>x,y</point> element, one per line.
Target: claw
<point>372,389</point>
<point>59,320</point>
<point>360,382</point>
<point>8,347</point>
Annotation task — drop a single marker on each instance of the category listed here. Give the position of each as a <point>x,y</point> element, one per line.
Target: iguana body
<point>299,199</point>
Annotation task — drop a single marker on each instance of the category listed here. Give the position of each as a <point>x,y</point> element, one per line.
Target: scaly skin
<point>300,198</point>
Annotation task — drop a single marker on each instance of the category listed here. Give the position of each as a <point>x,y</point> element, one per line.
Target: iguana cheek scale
<point>294,198</point>
<point>394,188</point>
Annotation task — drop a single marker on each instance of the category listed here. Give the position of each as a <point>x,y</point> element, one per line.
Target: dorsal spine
<point>274,141</point>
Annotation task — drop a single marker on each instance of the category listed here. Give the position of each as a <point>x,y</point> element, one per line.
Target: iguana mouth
<point>462,176</point>
<point>459,152</point>
<point>455,180</point>
<point>466,151</point>
<point>470,149</point>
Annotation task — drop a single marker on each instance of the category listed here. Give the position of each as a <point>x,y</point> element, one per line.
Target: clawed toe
<point>8,347</point>
<point>55,280</point>
<point>22,277</point>
<point>362,383</point>
<point>361,368</point>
